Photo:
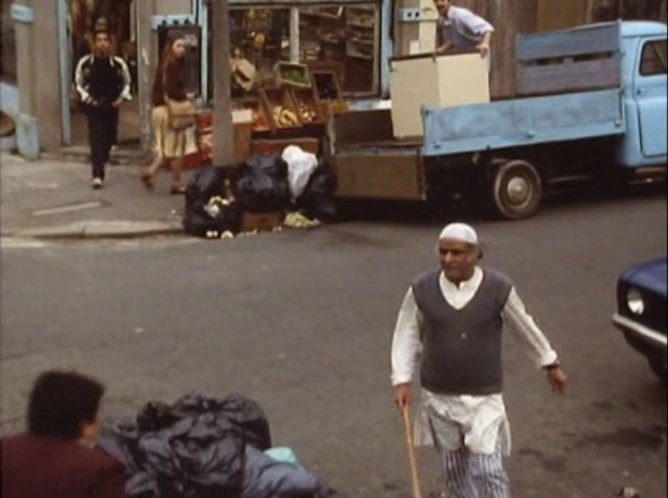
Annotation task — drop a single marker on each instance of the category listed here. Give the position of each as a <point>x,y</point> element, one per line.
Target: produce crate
<point>242,130</point>
<point>280,99</point>
<point>329,107</point>
<point>262,222</point>
<point>308,105</point>
<point>261,120</point>
<point>327,85</point>
<point>292,74</point>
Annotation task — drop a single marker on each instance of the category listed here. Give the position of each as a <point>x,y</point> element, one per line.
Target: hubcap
<point>518,190</point>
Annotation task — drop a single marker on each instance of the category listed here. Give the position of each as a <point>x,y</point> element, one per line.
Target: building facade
<point>316,32</point>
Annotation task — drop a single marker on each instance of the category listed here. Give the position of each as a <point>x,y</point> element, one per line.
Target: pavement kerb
<point>92,231</point>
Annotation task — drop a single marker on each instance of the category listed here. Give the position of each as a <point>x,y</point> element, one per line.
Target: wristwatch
<point>555,364</point>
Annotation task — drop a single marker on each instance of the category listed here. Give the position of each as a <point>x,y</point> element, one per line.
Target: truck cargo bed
<point>523,122</point>
<point>369,162</point>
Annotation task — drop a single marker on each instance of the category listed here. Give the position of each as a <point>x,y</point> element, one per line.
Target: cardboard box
<point>441,81</point>
<point>262,222</point>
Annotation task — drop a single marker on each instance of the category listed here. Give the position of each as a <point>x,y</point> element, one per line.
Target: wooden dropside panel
<point>569,76</point>
<point>568,43</point>
<point>358,127</point>
<point>523,122</point>
<point>571,60</point>
<point>377,176</point>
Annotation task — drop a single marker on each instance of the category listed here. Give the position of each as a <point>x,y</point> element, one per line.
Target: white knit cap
<point>459,231</point>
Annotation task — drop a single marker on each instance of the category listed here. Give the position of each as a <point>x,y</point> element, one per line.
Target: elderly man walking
<point>449,328</point>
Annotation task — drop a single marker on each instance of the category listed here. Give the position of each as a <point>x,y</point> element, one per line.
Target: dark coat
<point>43,467</point>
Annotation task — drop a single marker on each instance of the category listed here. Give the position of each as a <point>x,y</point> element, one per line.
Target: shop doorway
<point>121,22</point>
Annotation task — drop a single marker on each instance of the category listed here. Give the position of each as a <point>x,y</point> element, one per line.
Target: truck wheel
<point>517,190</point>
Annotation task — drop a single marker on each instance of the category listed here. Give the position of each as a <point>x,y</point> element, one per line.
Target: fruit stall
<point>294,63</point>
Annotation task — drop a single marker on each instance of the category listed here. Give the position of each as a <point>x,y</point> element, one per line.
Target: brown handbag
<point>181,114</point>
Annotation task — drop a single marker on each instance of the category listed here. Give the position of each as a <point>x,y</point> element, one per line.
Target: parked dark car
<point>641,311</point>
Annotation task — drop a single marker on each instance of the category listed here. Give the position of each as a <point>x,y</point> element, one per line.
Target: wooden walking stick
<point>406,415</point>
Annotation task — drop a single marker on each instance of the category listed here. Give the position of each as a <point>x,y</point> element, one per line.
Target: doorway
<point>121,21</point>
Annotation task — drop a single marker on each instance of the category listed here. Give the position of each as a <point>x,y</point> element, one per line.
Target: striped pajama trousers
<point>474,475</point>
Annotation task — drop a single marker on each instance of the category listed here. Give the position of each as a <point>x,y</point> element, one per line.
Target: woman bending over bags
<point>173,116</point>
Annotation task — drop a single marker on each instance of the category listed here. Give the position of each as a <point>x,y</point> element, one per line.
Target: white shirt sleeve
<point>474,23</point>
<point>127,80</point>
<point>80,83</point>
<point>406,345</point>
<point>525,330</point>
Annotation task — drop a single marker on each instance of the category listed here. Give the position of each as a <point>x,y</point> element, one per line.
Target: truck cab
<point>645,81</point>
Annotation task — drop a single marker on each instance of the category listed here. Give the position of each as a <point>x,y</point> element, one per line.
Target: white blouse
<point>474,419</point>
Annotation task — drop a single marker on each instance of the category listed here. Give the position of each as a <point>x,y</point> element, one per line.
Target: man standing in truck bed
<point>461,29</point>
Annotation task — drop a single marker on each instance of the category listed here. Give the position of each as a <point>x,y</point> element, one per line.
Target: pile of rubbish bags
<point>295,181</point>
<point>200,447</point>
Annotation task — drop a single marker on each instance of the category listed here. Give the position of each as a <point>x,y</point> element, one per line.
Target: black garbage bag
<point>249,417</point>
<point>219,216</point>
<point>193,448</point>
<point>265,477</point>
<point>205,183</point>
<point>244,413</point>
<point>262,184</point>
<point>317,199</point>
<point>206,210</point>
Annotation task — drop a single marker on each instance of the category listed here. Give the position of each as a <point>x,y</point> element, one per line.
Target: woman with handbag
<point>173,116</point>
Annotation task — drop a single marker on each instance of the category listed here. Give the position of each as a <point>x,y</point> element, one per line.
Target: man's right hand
<point>402,396</point>
<point>443,49</point>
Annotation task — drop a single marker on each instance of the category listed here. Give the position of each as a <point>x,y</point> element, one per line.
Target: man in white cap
<point>449,327</point>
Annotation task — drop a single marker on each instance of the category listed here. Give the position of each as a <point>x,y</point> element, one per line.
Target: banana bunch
<point>285,117</point>
<point>298,220</point>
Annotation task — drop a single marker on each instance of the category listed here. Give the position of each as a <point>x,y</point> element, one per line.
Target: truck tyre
<point>516,190</point>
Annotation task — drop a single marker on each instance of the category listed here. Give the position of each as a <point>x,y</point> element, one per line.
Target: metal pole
<point>294,35</point>
<point>65,73</point>
<point>223,131</point>
<point>146,67</point>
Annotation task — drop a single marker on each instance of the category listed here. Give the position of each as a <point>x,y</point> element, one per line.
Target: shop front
<point>343,38</point>
<point>294,63</point>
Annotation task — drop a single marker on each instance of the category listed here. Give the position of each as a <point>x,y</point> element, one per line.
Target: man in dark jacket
<point>103,82</point>
<point>55,458</point>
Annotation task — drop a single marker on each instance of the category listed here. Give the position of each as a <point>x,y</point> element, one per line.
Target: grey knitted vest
<point>462,348</point>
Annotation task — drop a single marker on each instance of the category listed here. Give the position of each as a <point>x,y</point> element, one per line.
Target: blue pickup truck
<point>591,103</point>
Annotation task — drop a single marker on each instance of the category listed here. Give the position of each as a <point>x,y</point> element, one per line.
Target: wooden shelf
<point>360,25</point>
<point>358,55</point>
<point>320,16</point>
<point>363,42</point>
